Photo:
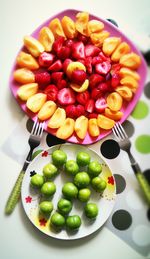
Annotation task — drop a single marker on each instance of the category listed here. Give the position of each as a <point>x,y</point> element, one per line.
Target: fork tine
<point>122,130</point>
<point>34,126</point>
<point>40,129</point>
<point>115,131</point>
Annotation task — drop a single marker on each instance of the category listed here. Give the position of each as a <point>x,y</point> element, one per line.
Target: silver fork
<point>125,145</point>
<point>34,141</point>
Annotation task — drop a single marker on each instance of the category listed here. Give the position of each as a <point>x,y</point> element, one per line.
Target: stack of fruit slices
<point>76,76</point>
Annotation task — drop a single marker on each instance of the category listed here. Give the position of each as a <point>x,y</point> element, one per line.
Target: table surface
<point>18,18</point>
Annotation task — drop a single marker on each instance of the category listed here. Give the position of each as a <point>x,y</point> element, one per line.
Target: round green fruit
<point>64,206</point>
<point>69,190</point>
<point>48,189</point>
<point>46,207</point>
<point>83,158</point>
<point>94,168</point>
<point>50,171</point>
<point>73,222</point>
<point>59,157</point>
<point>91,210</point>
<point>37,180</point>
<point>71,167</point>
<point>98,184</point>
<point>81,180</point>
<point>57,220</point>
<point>84,194</point>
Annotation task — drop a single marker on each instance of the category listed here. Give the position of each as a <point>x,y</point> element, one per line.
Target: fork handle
<point>15,194</point>
<point>145,186</point>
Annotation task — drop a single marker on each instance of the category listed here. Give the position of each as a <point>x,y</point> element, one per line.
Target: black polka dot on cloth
<point>147,175</point>
<point>121,219</point>
<point>110,149</point>
<point>52,140</point>
<point>29,125</point>
<point>129,128</point>
<point>113,22</point>
<point>120,183</point>
<point>147,90</point>
<point>148,214</point>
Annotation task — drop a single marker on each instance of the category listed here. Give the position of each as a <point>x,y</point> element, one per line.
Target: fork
<point>34,141</point>
<point>125,145</point>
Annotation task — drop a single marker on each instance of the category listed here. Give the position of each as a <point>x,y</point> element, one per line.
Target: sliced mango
<point>99,37</point>
<point>47,110</point>
<point>130,82</point>
<point>104,122</point>
<point>81,22</point>
<point>33,46</point>
<point>93,128</point>
<point>68,26</point>
<point>114,101</point>
<point>66,129</point>
<point>74,66</point>
<point>27,60</point>
<point>82,88</point>
<point>35,102</point>
<point>57,119</point>
<point>121,50</point>
<point>24,76</point>
<point>110,44</point>
<point>46,38</point>
<point>124,71</point>
<point>56,28</point>
<point>125,92</point>
<point>81,126</point>
<point>113,115</point>
<point>94,26</point>
<point>27,90</point>
<point>130,60</point>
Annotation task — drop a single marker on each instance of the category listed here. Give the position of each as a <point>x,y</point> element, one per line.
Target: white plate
<point>30,197</point>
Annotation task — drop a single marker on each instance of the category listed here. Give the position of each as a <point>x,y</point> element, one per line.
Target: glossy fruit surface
<point>91,210</point>
<point>59,157</point>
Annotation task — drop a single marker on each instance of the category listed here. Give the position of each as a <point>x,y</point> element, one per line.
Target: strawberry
<point>100,105</point>
<point>56,76</point>
<point>56,66</point>
<point>94,80</point>
<point>82,61</point>
<point>42,79</point>
<point>51,92</point>
<point>103,87</point>
<point>88,64</point>
<point>64,53</point>
<point>78,76</point>
<point>66,96</point>
<point>93,115</point>
<point>103,57</point>
<point>68,43</point>
<point>80,110</point>
<point>96,60</point>
<point>61,84</point>
<point>115,68</point>
<point>57,45</point>
<point>46,59</point>
<point>83,97</point>
<point>96,93</point>
<point>89,106</point>
<point>71,111</point>
<point>78,50</point>
<point>103,68</point>
<point>115,80</point>
<point>66,63</point>
<point>91,50</point>
<point>82,38</point>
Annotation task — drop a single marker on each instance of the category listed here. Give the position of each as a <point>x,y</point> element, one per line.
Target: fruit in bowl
<point>77,76</point>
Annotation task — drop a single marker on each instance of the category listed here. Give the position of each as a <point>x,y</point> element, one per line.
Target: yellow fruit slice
<point>33,46</point>
<point>35,102</point>
<point>68,26</point>
<point>47,110</point>
<point>131,60</point>
<point>81,126</point>
<point>110,44</point>
<point>104,122</point>
<point>74,66</point>
<point>26,60</point>
<point>46,38</point>
<point>57,118</point>
<point>121,50</point>
<point>130,82</point>
<point>98,38</point>
<point>124,71</point>
<point>27,90</point>
<point>82,88</point>
<point>24,76</point>
<point>94,26</point>
<point>113,115</point>
<point>125,92</point>
<point>114,101</point>
<point>93,128</point>
<point>81,22</point>
<point>66,130</point>
<point>56,28</point>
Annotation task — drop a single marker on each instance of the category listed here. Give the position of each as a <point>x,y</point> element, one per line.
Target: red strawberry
<point>96,93</point>
<point>103,57</point>
<point>88,64</point>
<point>71,111</point>
<point>78,76</point>
<point>56,76</point>
<point>91,50</point>
<point>103,68</point>
<point>94,80</point>
<point>68,43</point>
<point>115,80</point>
<point>115,68</point>
<point>82,61</point>
<point>89,106</point>
<point>104,87</point>
<point>64,52</point>
<point>93,115</point>
<point>80,110</point>
<point>42,79</point>
<point>78,50</point>
<point>100,105</point>
<point>51,92</point>
<point>61,84</point>
<point>57,45</point>
<point>83,97</point>
<point>56,66</point>
<point>96,60</point>
<point>46,59</point>
<point>66,96</point>
<point>66,63</point>
<point>82,38</point>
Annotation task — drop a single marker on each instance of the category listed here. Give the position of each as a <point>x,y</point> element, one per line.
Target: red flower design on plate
<point>42,222</point>
<point>44,153</point>
<point>111,180</point>
<point>28,199</point>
